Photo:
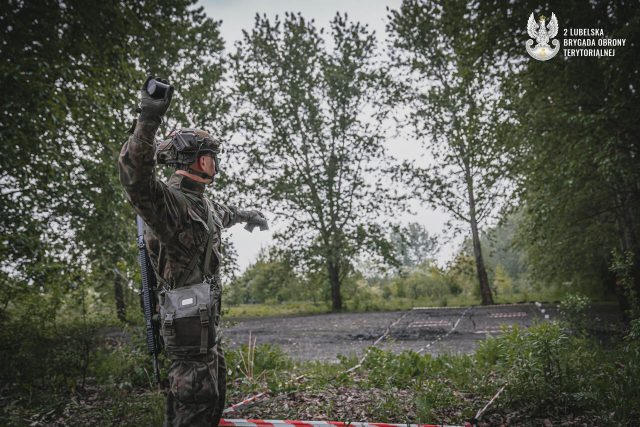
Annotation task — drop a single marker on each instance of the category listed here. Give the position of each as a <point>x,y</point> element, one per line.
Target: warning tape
<point>245,402</point>
<point>495,396</point>
<point>292,423</point>
<point>455,325</point>
<point>453,307</point>
<point>382,337</point>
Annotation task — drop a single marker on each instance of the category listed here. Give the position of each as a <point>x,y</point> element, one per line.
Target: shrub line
<point>251,399</point>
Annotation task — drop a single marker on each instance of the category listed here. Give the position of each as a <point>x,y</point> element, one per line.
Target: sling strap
<point>207,255</point>
<point>204,332</point>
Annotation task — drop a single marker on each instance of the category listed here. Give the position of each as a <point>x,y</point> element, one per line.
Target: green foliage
<point>502,282</point>
<point>313,123</point>
<point>271,279</point>
<point>414,245</point>
<point>426,281</point>
<point>575,311</point>
<point>250,366</point>
<point>42,357</point>
<point>623,267</point>
<point>283,309</point>
<point>573,150</point>
<point>388,370</point>
<point>547,373</point>
<point>448,82</point>
<point>70,89</point>
<point>126,364</point>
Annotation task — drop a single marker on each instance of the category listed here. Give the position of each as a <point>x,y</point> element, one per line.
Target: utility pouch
<point>187,320</point>
<point>188,313</point>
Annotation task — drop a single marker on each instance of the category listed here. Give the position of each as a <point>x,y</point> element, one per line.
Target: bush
<point>252,366</point>
<point>575,311</point>
<point>548,372</point>
<point>47,356</point>
<point>127,365</point>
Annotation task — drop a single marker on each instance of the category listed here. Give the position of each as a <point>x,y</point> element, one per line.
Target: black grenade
<point>157,89</point>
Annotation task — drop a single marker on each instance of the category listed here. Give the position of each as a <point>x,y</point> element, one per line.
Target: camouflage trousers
<point>196,391</point>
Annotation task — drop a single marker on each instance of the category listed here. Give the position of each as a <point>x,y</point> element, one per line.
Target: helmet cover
<point>182,148</point>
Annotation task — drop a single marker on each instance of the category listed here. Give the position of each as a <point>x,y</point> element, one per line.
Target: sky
<point>237,15</point>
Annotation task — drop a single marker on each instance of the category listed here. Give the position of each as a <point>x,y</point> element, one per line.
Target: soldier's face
<point>208,165</point>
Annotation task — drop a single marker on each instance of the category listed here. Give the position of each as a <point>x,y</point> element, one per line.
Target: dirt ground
<point>430,330</point>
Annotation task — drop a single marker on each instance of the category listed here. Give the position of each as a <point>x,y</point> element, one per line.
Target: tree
<point>69,91</point>
<point>312,120</point>
<point>414,245</point>
<point>451,96</point>
<point>575,143</point>
<point>271,278</point>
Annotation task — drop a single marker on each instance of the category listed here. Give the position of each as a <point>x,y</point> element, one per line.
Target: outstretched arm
<point>231,215</point>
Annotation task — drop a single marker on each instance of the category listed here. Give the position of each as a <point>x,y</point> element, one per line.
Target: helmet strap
<point>200,174</point>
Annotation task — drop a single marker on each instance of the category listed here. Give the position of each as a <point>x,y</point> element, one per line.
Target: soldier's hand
<point>153,108</point>
<point>256,219</point>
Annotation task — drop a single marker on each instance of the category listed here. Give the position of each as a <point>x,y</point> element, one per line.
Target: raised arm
<point>150,197</point>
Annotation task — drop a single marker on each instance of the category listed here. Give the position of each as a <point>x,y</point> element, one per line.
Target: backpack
<point>187,312</point>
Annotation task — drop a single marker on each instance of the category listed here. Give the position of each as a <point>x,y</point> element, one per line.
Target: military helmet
<point>182,147</point>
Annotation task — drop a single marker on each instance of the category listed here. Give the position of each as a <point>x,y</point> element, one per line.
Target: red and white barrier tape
<point>291,423</point>
<point>253,398</point>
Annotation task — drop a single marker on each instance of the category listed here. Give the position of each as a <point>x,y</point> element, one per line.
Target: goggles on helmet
<point>183,147</point>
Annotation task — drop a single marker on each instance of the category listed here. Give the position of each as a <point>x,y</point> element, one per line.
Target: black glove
<point>153,109</point>
<point>255,219</point>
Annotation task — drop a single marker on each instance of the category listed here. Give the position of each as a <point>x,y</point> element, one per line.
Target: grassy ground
<point>550,378</point>
<point>283,309</point>
<point>377,304</point>
<point>95,372</point>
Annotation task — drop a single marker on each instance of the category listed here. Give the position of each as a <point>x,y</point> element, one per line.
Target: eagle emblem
<point>542,33</point>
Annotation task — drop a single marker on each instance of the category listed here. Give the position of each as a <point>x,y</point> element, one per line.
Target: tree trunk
<point>334,280</point>
<point>483,279</point>
<point>119,294</point>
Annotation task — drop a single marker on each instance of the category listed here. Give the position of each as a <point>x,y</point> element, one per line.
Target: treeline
<point>314,110</point>
<point>417,280</point>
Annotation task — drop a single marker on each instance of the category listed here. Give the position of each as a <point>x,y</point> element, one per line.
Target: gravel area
<point>432,330</point>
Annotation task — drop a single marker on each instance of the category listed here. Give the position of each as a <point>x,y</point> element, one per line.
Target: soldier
<point>183,238</point>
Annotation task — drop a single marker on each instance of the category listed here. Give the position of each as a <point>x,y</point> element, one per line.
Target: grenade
<point>157,89</point>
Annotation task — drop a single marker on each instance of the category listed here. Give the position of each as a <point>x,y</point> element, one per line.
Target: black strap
<point>204,331</point>
<point>168,323</point>
<point>207,255</point>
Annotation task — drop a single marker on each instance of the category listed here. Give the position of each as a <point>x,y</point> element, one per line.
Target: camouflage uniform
<point>176,231</point>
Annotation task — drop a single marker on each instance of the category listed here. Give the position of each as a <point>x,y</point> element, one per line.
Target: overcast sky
<point>237,15</point>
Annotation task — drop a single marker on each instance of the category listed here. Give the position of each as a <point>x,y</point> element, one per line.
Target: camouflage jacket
<point>174,213</point>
